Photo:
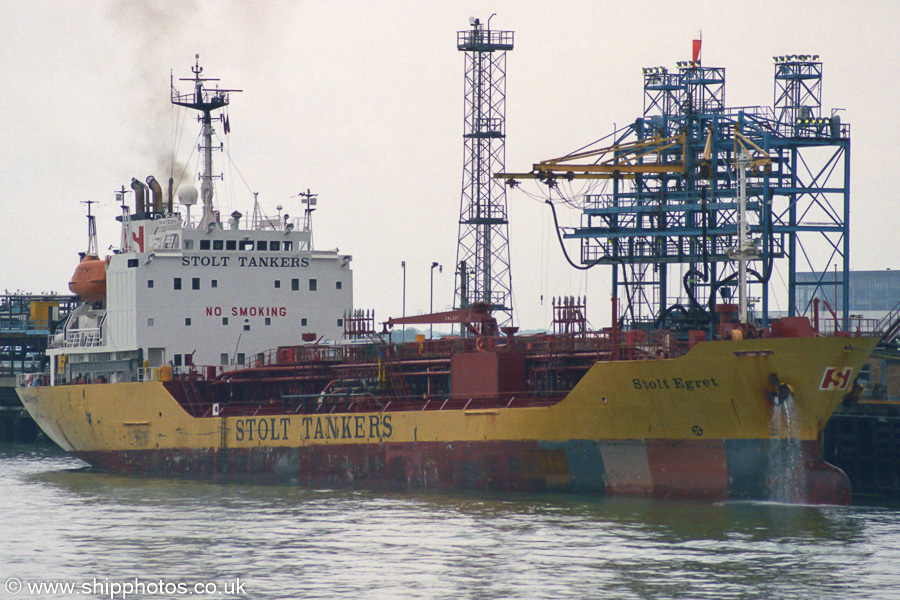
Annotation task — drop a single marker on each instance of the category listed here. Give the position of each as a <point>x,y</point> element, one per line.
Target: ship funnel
<point>154,186</point>
<point>139,191</point>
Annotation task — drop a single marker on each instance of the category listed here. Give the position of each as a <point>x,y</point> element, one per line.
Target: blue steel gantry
<point>667,217</point>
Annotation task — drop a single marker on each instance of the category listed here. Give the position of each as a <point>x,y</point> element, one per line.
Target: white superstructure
<point>206,293</point>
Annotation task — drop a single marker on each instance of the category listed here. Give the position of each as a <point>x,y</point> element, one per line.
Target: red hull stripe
<point>699,469</point>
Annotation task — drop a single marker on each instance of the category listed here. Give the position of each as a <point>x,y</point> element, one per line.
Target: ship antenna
<point>126,219</point>
<point>309,201</point>
<point>92,230</point>
<point>205,100</point>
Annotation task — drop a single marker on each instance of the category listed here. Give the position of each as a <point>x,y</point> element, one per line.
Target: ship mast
<point>205,100</point>
<point>92,231</point>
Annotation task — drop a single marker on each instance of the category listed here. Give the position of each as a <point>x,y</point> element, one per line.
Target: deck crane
<point>476,319</point>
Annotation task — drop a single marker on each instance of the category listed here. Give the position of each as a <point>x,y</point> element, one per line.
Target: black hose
<point>661,319</point>
<point>561,245</point>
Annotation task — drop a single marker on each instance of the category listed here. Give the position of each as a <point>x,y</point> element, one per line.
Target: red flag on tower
<point>697,52</point>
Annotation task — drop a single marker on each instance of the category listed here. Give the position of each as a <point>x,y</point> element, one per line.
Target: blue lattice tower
<point>483,274</point>
<point>703,88</point>
<point>798,89</point>
<point>662,93</point>
<point>668,225</point>
<point>668,221</point>
<point>814,159</point>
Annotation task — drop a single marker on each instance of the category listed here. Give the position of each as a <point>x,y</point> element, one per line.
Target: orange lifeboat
<point>89,279</point>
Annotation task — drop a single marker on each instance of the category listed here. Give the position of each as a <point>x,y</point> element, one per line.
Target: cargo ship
<point>233,349</point>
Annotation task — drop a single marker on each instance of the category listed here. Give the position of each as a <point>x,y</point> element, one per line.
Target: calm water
<point>62,523</point>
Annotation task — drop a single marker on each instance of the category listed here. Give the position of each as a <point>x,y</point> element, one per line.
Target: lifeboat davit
<point>89,279</point>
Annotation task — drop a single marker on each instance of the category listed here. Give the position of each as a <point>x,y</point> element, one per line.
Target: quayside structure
<point>695,196</point>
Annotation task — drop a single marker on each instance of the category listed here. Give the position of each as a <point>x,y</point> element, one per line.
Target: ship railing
<point>287,355</point>
<point>604,344</point>
<point>169,372</point>
<point>853,326</point>
<point>149,374</point>
<point>82,338</point>
<point>32,379</point>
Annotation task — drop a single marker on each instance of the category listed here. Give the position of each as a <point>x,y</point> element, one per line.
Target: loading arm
<point>623,161</point>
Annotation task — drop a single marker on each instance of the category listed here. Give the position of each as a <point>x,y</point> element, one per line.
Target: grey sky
<point>362,102</point>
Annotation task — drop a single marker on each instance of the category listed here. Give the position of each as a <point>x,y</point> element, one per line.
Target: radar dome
<point>187,195</point>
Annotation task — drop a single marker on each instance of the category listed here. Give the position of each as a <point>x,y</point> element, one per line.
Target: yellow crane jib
<point>757,156</point>
<point>622,161</point>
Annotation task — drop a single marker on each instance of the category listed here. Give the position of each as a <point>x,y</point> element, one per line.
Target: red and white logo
<point>137,240</point>
<point>836,379</point>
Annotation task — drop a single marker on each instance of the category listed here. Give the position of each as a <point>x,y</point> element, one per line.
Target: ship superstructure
<point>210,291</point>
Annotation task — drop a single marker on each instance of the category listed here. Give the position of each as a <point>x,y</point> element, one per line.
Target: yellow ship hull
<point>700,425</point>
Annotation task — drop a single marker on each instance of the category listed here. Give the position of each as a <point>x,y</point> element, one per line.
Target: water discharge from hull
<point>785,474</point>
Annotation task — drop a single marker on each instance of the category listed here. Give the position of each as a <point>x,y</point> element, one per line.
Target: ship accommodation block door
<point>126,313</point>
<point>486,374</point>
<point>156,357</point>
